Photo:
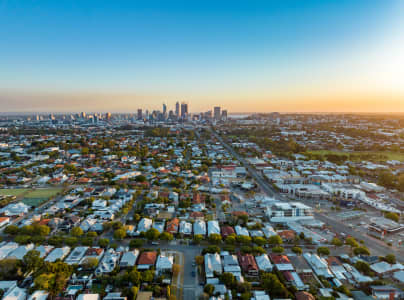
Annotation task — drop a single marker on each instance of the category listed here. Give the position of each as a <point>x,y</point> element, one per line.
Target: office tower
<point>177,109</point>
<point>216,113</point>
<point>83,115</point>
<point>184,110</point>
<point>108,116</point>
<point>224,114</point>
<point>164,109</point>
<point>139,114</point>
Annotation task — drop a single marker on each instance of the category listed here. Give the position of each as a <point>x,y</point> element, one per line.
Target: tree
<point>260,241</point>
<point>243,239</point>
<point>351,242</point>
<point>166,236</point>
<point>198,238</point>
<point>176,269</point>
<point>134,290</point>
<point>135,276</point>
<point>211,249</point>
<point>199,260</point>
<point>10,269</point>
<point>392,216</point>
<point>71,241</point>
<point>119,234</point>
<point>147,276</point>
<point>209,289</point>
<point>362,250</point>
<point>77,232</point>
<point>271,283</point>
<point>390,258</point>
<point>323,251</point>
<point>275,240</point>
<point>228,279</point>
<point>215,238</point>
<point>92,234</point>
<point>230,240</point>
<point>41,230</point>
<point>32,261</point>
<point>152,234</point>
<point>336,242</point>
<point>44,281</point>
<point>297,250</point>
<point>103,242</point>
<point>278,249</point>
<point>12,230</point>
<point>135,243</point>
<point>363,267</point>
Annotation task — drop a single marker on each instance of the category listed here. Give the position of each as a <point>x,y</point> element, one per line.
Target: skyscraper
<point>164,109</point>
<point>139,114</point>
<point>177,109</point>
<point>224,114</point>
<point>184,110</point>
<point>216,113</point>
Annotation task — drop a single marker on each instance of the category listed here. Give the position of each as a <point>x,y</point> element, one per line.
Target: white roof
<point>200,227</point>
<point>164,262</point>
<point>129,258</point>
<point>241,230</point>
<point>7,248</point>
<point>263,262</point>
<point>20,252</point>
<point>399,276</point>
<point>44,250</point>
<point>88,297</point>
<point>57,253</point>
<point>39,295</point>
<point>76,255</point>
<point>213,227</point>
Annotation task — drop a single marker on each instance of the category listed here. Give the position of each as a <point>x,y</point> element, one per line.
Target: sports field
<point>380,156</point>
<point>32,197</point>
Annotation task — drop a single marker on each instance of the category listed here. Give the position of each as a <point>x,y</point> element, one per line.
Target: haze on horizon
<point>246,56</point>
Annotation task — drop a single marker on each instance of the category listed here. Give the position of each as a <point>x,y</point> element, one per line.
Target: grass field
<point>32,197</point>
<point>376,155</point>
<point>13,192</point>
<point>43,193</point>
<point>38,196</point>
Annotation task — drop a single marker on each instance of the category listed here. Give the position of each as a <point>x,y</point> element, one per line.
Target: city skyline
<point>316,56</point>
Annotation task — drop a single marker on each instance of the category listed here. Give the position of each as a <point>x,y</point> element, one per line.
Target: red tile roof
<point>147,258</point>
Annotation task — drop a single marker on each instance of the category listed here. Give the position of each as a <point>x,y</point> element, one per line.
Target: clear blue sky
<point>165,50</point>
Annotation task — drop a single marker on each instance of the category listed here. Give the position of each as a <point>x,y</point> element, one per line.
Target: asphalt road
<point>375,246</point>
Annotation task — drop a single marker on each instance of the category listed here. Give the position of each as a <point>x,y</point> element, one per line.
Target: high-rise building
<point>224,114</point>
<point>184,110</point>
<point>216,113</point>
<point>139,114</point>
<point>108,116</point>
<point>164,109</point>
<point>177,109</point>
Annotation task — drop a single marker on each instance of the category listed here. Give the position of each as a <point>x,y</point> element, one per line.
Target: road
<point>375,246</point>
<point>191,287</point>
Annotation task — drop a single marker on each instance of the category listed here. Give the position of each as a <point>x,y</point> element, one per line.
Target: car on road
<point>193,273</point>
<point>155,243</point>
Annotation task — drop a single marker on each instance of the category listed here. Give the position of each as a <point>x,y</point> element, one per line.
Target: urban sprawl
<point>177,205</point>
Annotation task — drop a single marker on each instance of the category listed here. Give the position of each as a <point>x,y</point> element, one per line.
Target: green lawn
<point>38,196</point>
<point>43,193</point>
<point>376,155</point>
<point>13,192</point>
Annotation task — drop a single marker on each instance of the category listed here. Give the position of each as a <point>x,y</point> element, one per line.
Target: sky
<point>246,56</point>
